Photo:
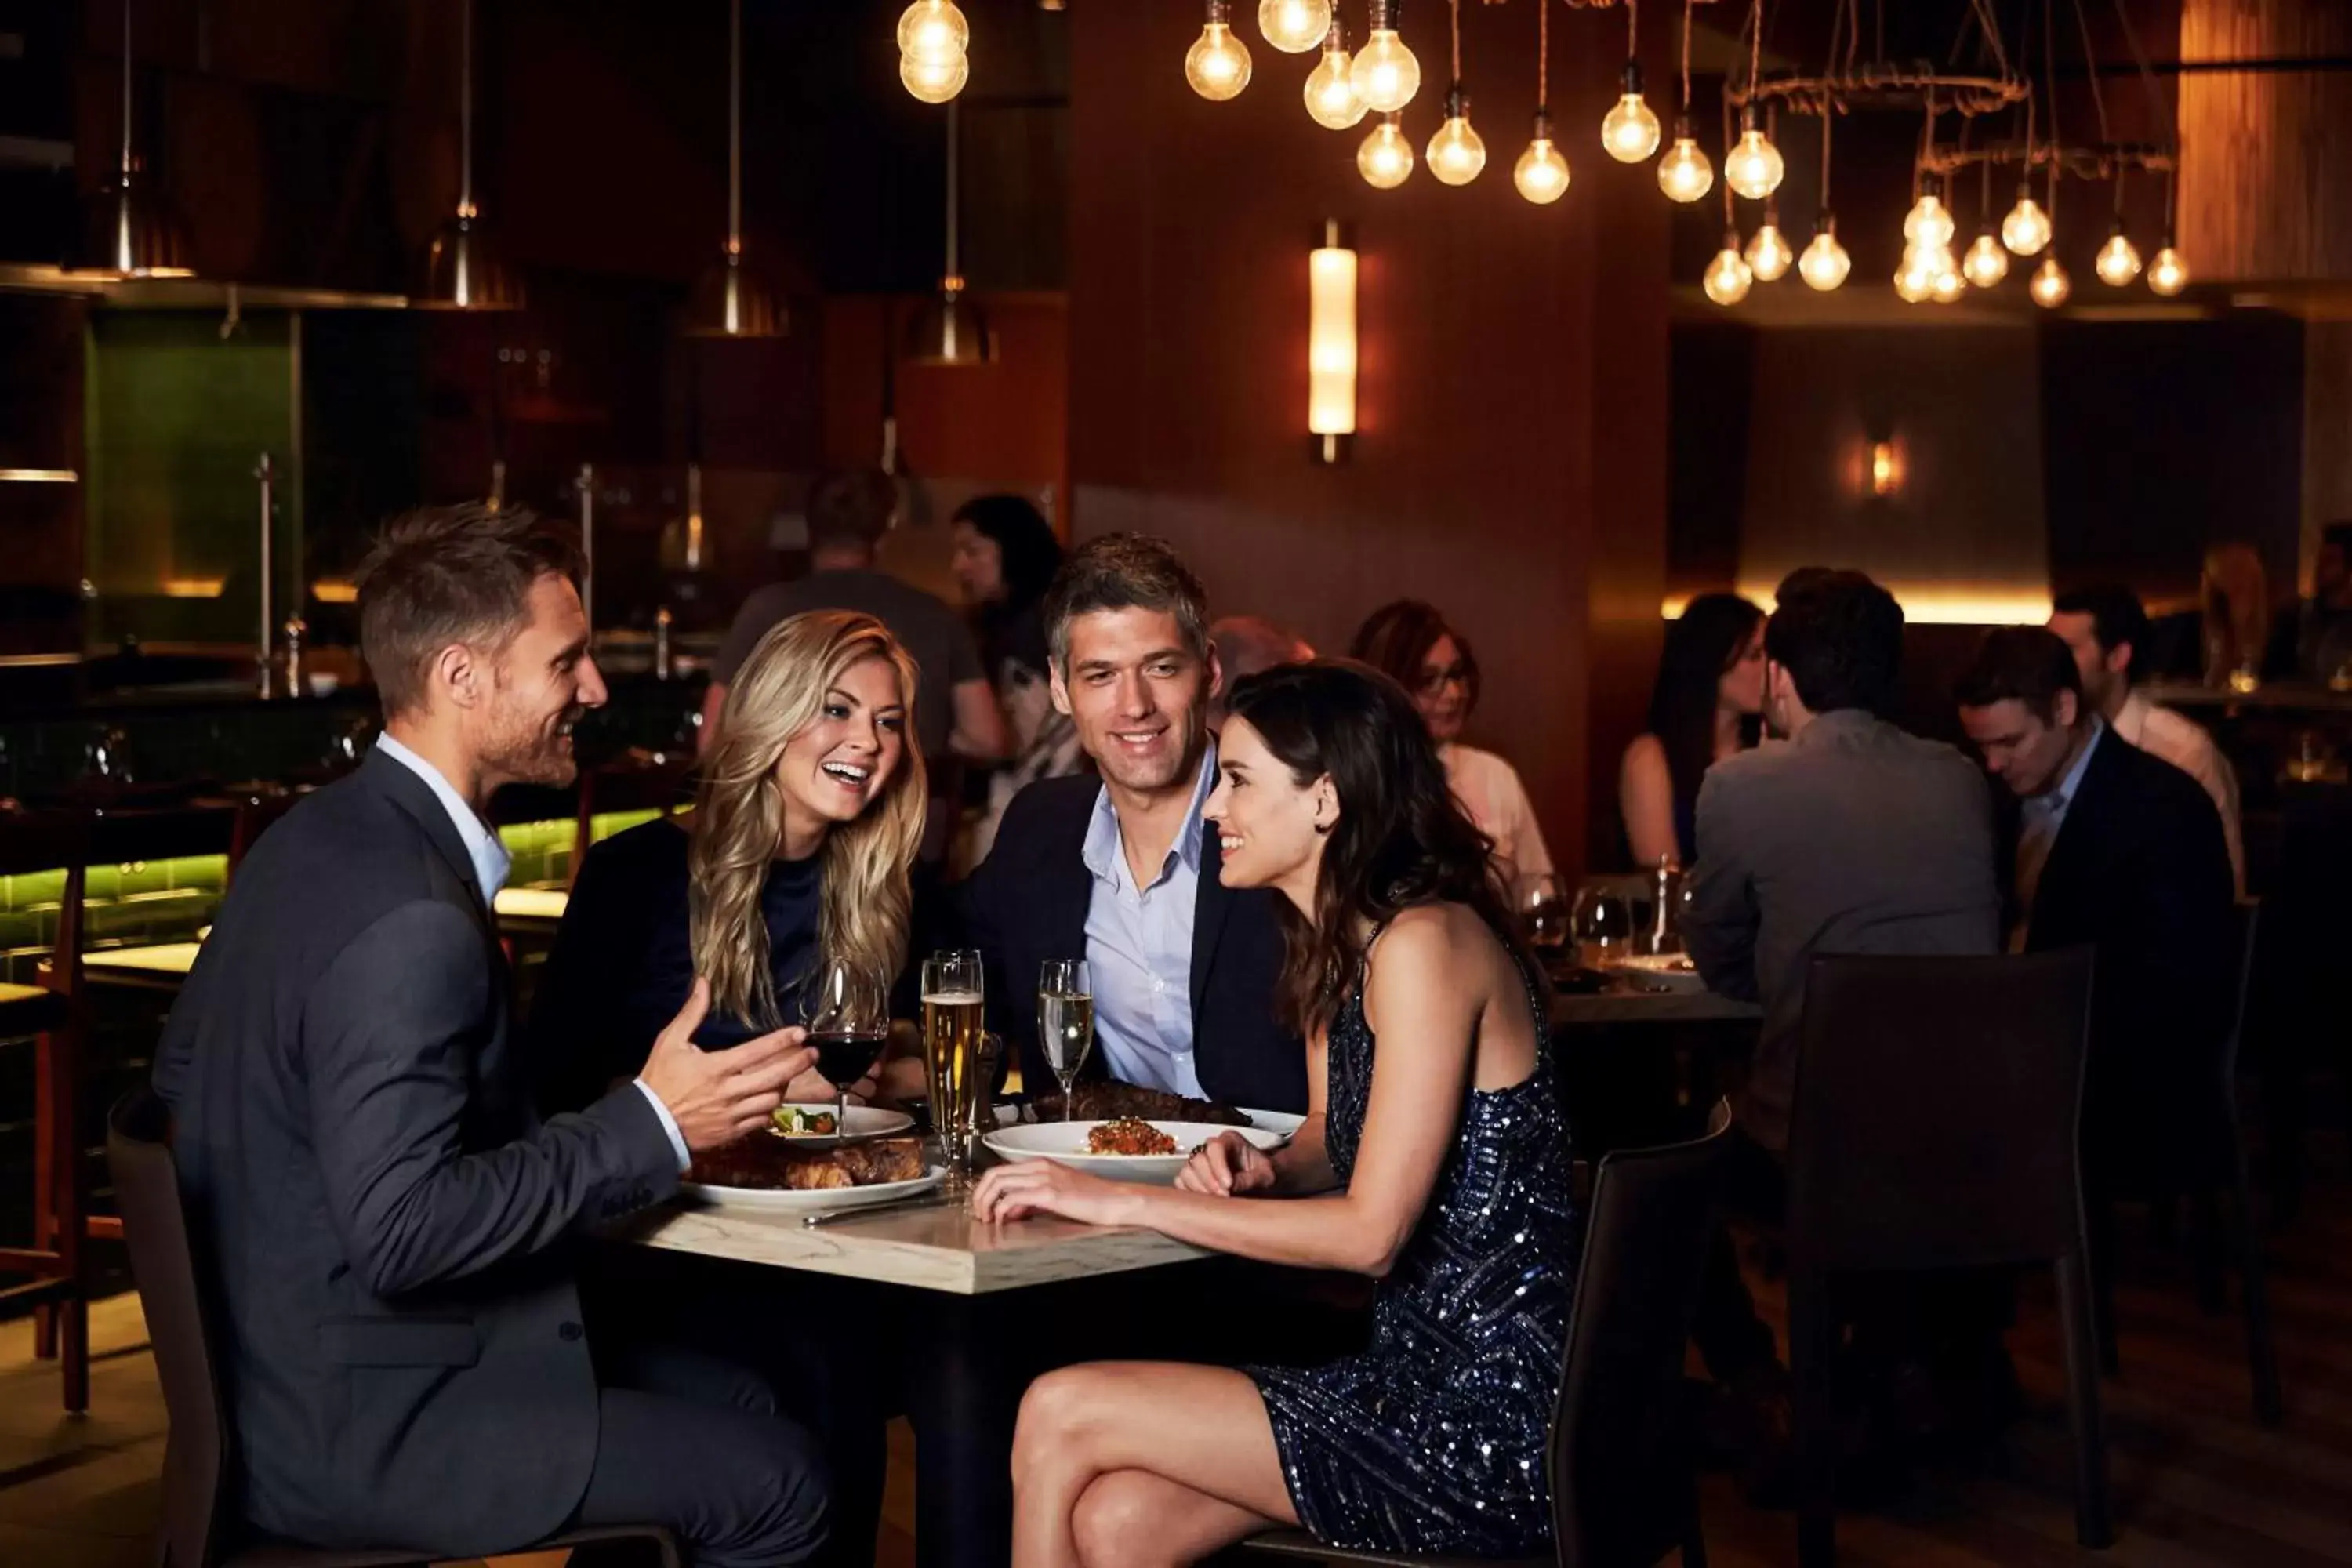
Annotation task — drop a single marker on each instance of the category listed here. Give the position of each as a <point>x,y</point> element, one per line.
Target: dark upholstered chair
<point>199,1528</point>
<point>1624,1489</point>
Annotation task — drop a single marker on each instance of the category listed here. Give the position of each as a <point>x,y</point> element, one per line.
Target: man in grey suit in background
<point>1846,835</point>
<point>382,1221</point>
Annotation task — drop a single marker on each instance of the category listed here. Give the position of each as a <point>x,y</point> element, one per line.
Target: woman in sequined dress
<point>1435,1158</point>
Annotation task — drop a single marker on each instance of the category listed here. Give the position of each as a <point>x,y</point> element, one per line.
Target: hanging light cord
<point>126,93</point>
<point>735,128</point>
<point>1458,45</point>
<point>465,112</point>
<point>1730,218</point>
<point>1688,6</point>
<point>1632,28</point>
<point>1755,43</point>
<point>1543,58</point>
<point>955,174</point>
<point>1828,111</point>
<point>2090,69</point>
<point>2050,70</point>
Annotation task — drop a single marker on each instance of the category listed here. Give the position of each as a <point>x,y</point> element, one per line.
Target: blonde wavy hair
<point>739,819</point>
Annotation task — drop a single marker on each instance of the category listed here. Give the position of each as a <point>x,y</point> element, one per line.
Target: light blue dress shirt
<point>492,863</point>
<point>2042,816</point>
<point>1139,947</point>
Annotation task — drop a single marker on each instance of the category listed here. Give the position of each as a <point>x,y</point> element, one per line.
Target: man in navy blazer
<point>1122,871</point>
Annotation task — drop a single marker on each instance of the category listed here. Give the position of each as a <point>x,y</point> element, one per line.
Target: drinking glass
<point>847,1015</point>
<point>1602,924</point>
<point>1065,1020</point>
<point>953,1005</point>
<point>1544,905</point>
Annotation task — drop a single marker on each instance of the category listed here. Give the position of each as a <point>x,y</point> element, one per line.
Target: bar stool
<point>51,1013</point>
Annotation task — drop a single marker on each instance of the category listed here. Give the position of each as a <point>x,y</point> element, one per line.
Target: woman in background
<point>1410,643</point>
<point>1705,707</point>
<point>1005,555</point>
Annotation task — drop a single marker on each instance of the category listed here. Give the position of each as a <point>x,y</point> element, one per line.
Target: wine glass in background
<point>848,1019</point>
<point>1602,925</point>
<point>1065,1020</point>
<point>1544,905</point>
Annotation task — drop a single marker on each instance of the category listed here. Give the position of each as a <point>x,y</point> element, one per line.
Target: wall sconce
<point>1885,469</point>
<point>1331,344</point>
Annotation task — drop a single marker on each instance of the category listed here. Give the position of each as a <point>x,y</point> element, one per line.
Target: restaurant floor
<point>2196,1481</point>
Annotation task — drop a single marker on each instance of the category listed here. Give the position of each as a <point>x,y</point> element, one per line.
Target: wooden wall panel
<point>2263,190</point>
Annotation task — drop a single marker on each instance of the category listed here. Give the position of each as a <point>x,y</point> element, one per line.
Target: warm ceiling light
<point>1728,275</point>
<point>1218,64</point>
<point>1457,153</point>
<point>730,299</point>
<point>1685,174</point>
<point>933,30</point>
<point>1825,263</point>
<point>462,268</point>
<point>1769,252</point>
<point>1629,130</point>
<point>950,329</point>
<point>1331,343</point>
<point>2119,259</point>
<point>1754,167</point>
<point>1385,73</point>
<point>1385,160</point>
<point>1885,469</point>
<point>1331,100</point>
<point>2051,284</point>
<point>1987,262</point>
<point>1928,222</point>
<point>2026,229</point>
<point>1542,175</point>
<point>2168,275</point>
<point>1293,27</point>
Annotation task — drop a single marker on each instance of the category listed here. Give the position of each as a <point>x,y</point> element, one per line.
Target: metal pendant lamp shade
<point>463,269</point>
<point>950,329</point>
<point>732,298</point>
<point>130,228</point>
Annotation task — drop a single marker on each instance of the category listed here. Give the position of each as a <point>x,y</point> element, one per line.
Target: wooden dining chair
<point>1936,1127</point>
<point>199,1528</point>
<point>1624,1484</point>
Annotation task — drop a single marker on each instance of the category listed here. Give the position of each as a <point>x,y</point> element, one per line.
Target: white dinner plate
<point>864,1122</point>
<point>1282,1123</point>
<point>776,1200</point>
<point>1066,1142</point>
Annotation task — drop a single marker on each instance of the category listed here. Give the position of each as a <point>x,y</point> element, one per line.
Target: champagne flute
<point>1066,1020</point>
<point>953,1003</point>
<point>847,1014</point>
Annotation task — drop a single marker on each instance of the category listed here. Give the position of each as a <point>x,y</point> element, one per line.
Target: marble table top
<point>937,1246</point>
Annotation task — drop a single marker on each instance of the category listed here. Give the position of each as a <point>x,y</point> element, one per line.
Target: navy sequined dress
<point>1432,1439</point>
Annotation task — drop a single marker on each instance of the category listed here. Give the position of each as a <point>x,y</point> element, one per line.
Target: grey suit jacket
<point>381,1214</point>
<point>1857,837</point>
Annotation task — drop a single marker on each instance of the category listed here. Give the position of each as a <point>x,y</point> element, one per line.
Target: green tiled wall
<point>542,850</point>
<point>144,902</point>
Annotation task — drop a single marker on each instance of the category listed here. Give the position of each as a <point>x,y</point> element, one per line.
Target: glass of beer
<point>1065,1020</point>
<point>953,1005</point>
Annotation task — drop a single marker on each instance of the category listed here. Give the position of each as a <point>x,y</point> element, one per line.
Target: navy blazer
<point>382,1215</point>
<point>1028,902</point>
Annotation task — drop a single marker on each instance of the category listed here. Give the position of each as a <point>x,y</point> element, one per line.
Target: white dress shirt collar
<point>489,857</point>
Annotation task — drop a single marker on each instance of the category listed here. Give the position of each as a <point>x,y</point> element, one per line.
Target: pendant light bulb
<point>1914,278</point>
<point>1728,275</point>
<point>2118,259</point>
<point>1385,74</point>
<point>1754,167</point>
<point>1685,174</point>
<point>2051,284</point>
<point>1218,63</point>
<point>1987,262</point>
<point>934,78</point>
<point>1457,153</point>
<point>933,30</point>
<point>1768,255</point>
<point>1950,282</point>
<point>1541,176</point>
<point>2168,275</point>
<point>1929,223</point>
<point>1825,264</point>
<point>1385,160</point>
<point>1630,131</point>
<point>2026,229</point>
<point>1293,27</point>
<point>1331,100</point>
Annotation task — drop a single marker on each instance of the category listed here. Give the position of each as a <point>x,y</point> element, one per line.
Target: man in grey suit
<point>1844,835</point>
<point>384,1222</point>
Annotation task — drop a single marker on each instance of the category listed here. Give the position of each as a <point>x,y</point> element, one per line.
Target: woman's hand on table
<point>1046,1186</point>
<point>1227,1166</point>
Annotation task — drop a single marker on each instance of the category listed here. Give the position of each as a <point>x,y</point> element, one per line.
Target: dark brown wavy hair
<point>1402,839</point>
